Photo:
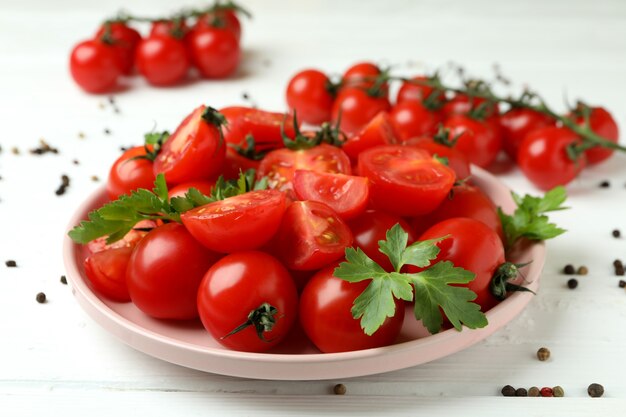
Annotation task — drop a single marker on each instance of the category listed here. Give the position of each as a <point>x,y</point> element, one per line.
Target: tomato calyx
<point>327,133</point>
<point>153,142</point>
<point>263,318</point>
<point>500,284</point>
<point>442,137</point>
<point>248,149</point>
<point>225,6</point>
<point>214,117</point>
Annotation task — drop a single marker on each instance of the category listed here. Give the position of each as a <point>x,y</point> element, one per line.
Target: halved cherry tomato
<point>129,173</point>
<point>106,271</point>
<point>180,190</point>
<point>346,194</point>
<point>242,222</point>
<point>128,241</point>
<point>602,124</point>
<point>325,315</point>
<point>411,119</point>
<point>356,108</point>
<point>264,126</point>
<point>379,131</point>
<point>311,235</point>
<point>405,181</point>
<point>165,271</point>
<point>279,165</point>
<point>242,283</point>
<point>479,140</point>
<point>124,40</point>
<point>456,160</point>
<point>195,151</point>
<point>308,95</point>
<point>516,124</point>
<point>371,227</point>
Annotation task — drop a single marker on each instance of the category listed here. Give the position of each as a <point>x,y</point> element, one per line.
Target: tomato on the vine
<point>363,75</point>
<point>95,66</point>
<point>463,104</point>
<point>214,51</point>
<point>479,140</point>
<point>130,172</point>
<point>162,60</point>
<point>412,90</point>
<point>602,124</point>
<point>106,272</point>
<point>124,40</point>
<point>354,108</point>
<point>456,160</point>
<point>170,27</point>
<point>379,131</point>
<point>516,124</point>
<point>308,94</point>
<point>411,119</point>
<point>224,18</point>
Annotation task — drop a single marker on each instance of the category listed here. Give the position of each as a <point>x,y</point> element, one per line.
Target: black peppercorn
<point>543,354</point>
<point>521,392</point>
<point>41,298</point>
<point>339,389</point>
<point>619,270</point>
<point>572,283</point>
<point>622,283</point>
<point>11,263</point>
<point>616,233</point>
<point>508,391</point>
<point>605,184</point>
<point>617,263</point>
<point>63,280</point>
<point>569,269</point>
<point>595,390</point>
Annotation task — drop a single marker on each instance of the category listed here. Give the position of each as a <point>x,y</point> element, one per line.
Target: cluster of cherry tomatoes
<point>543,144</point>
<point>207,40</point>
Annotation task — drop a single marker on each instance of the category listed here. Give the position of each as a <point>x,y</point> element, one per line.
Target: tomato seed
<point>533,392</point>
<point>582,270</point>
<point>508,391</point>
<point>11,263</point>
<point>521,392</point>
<point>595,390</point>
<point>543,354</point>
<point>546,392</point>
<point>572,283</point>
<point>340,389</point>
<point>569,269</point>
<point>41,298</point>
<point>558,391</point>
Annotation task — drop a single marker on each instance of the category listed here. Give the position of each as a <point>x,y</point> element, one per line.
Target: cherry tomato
<point>162,60</point>
<point>456,160</point>
<point>602,124</point>
<point>239,284</point>
<point>363,75</point>
<point>462,104</point>
<point>516,124</point>
<point>346,194</point>
<point>170,28</point>
<point>236,163</point>
<point>471,245</point>
<point>128,241</point>
<point>214,51</point>
<point>180,190</point>
<point>371,227</point>
<point>128,174</point>
<point>356,108</point>
<point>224,18</point>
<point>264,126</point>
<point>309,96</point>
<point>543,157</point>
<point>325,315</point>
<point>413,91</point>
<point>464,201</point>
<point>95,66</point>
<point>405,181</point>
<point>195,151</point>
<point>165,271</point>
<point>279,165</point>
<point>124,40</point>
<point>480,141</point>
<point>242,222</point>
<point>106,271</point>
<point>379,131</point>
<point>311,236</point>
<point>411,119</point>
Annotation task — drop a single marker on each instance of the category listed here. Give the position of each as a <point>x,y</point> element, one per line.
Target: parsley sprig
<point>431,290</point>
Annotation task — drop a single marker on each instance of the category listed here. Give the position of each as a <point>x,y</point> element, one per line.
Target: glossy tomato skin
<point>347,195</point>
<point>461,104</point>
<point>264,126</point>
<point>602,124</point>
<point>543,158</point>
<point>162,60</point>
<point>379,131</point>
<point>214,51</point>
<point>95,66</point>
<point>311,236</point>
<point>106,271</point>
<point>464,201</point>
<point>412,119</point>
<point>371,227</point>
<point>236,163</point>
<point>480,141</point>
<point>474,246</point>
<point>362,75</point>
<point>180,190</point>
<point>243,222</point>
<point>308,95</point>
<point>280,165</point>
<point>226,19</point>
<point>325,315</point>
<point>128,174</point>
<point>124,41</point>
<point>165,271</point>
<point>176,29</point>
<point>238,284</point>
<point>405,181</point>
<point>128,241</point>
<point>356,109</point>
<point>456,160</point>
<point>195,151</point>
<point>413,91</point>
<point>516,124</point>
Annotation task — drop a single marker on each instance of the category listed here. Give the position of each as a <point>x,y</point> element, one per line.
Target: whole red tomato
<point>602,124</point>
<point>129,173</point>
<point>363,75</point>
<point>95,66</point>
<point>309,96</point>
<point>412,119</point>
<point>544,160</point>
<point>516,124</point>
<point>356,108</point>
<point>214,51</point>
<point>248,301</point>
<point>325,305</point>
<point>165,270</point>
<point>412,90</point>
<point>223,18</point>
<point>124,40</point>
<point>463,104</point>
<point>176,28</point>
<point>162,60</point>
<point>479,140</point>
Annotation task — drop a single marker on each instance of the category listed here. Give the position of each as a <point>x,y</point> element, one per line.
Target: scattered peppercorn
<point>582,270</point>
<point>339,389</point>
<point>75,162</point>
<point>605,184</point>
<point>533,392</point>
<point>63,280</point>
<point>95,178</point>
<point>15,150</point>
<point>43,148</point>
<point>521,392</point>
<point>572,283</point>
<point>569,269</point>
<point>619,270</point>
<point>107,131</point>
<point>111,99</point>
<point>543,354</point>
<point>81,135</point>
<point>508,391</point>
<point>595,390</point>
<point>617,263</point>
<point>65,182</point>
<point>245,95</point>
<point>41,298</point>
<point>11,263</point>
<point>616,233</point>
<point>546,392</point>
<point>622,283</point>
<point>558,391</point>
<point>101,105</point>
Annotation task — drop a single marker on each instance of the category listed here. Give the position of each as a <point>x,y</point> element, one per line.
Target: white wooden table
<point>54,360</point>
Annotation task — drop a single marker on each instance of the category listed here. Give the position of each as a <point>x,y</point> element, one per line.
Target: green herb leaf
<point>529,219</point>
<point>244,183</point>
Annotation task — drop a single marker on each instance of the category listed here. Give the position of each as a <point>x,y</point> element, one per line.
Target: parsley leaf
<point>529,219</point>
<point>430,289</point>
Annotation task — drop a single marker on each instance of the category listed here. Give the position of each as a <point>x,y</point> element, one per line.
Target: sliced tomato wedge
<point>346,194</point>
<point>311,236</point>
<point>264,126</point>
<point>405,181</point>
<point>106,271</point>
<point>242,222</point>
<point>379,131</point>
<point>195,151</point>
<point>456,160</point>
<point>129,240</point>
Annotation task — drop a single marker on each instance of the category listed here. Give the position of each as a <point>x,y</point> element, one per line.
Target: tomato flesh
<point>456,160</point>
<point>379,131</point>
<point>106,271</point>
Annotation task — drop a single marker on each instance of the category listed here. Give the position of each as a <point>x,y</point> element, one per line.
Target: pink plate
<point>188,344</point>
